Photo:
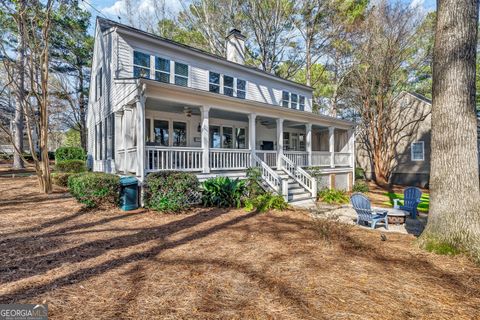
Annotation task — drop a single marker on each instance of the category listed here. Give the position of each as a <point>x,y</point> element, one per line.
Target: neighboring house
<point>160,105</point>
<point>412,161</point>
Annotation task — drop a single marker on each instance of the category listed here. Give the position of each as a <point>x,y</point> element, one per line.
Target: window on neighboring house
<point>162,70</point>
<point>160,132</point>
<point>418,151</point>
<point>293,101</point>
<point>181,74</point>
<point>214,82</point>
<point>302,103</point>
<point>241,88</point>
<point>98,84</point>
<point>109,141</point>
<point>228,86</point>
<point>141,65</point>
<point>179,134</point>
<point>285,99</point>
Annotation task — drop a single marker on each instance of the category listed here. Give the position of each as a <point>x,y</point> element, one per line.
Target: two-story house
<point>156,104</point>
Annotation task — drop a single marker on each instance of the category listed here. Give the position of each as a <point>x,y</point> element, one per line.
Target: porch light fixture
<point>199,128</point>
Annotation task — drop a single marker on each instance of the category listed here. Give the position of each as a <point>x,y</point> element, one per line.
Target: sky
<point>110,8</point>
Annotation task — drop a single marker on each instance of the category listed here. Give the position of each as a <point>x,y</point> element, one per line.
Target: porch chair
<point>364,210</point>
<point>411,197</point>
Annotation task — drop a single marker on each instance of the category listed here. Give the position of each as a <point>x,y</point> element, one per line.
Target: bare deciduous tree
<point>384,55</point>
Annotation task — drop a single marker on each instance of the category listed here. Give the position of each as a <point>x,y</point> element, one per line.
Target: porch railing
<point>268,156</point>
<point>300,175</point>
<point>300,158</point>
<point>321,158</point>
<point>227,159</point>
<point>342,159</point>
<point>271,178</point>
<point>185,159</point>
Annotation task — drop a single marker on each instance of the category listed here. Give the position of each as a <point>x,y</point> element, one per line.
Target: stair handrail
<point>300,175</point>
<point>278,184</point>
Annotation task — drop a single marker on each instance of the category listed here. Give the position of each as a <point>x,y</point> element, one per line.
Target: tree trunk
<point>20,92</point>
<point>454,217</point>
<point>83,120</point>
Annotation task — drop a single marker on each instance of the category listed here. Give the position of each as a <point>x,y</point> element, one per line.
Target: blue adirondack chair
<point>364,210</point>
<point>411,197</point>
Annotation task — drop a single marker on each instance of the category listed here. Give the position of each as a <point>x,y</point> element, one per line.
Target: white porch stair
<point>296,192</point>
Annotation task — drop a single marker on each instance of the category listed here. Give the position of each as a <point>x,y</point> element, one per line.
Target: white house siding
<point>260,87</point>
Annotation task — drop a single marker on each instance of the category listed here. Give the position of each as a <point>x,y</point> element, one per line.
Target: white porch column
<point>252,138</point>
<point>308,143</point>
<point>331,145</point>
<point>205,139</point>
<point>140,109</point>
<point>279,142</point>
<point>126,112</point>
<point>351,149</point>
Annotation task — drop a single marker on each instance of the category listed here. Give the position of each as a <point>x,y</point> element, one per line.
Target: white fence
<point>269,157</point>
<point>299,158</point>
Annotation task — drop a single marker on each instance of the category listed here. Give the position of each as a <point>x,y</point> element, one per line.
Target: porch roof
<point>187,95</point>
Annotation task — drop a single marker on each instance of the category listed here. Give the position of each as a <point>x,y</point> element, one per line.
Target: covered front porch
<point>159,134</point>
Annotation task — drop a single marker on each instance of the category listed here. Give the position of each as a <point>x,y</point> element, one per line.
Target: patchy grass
<point>439,247</point>
<point>217,264</point>
<point>422,207</point>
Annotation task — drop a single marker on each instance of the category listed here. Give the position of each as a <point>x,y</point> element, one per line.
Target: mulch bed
<point>217,264</point>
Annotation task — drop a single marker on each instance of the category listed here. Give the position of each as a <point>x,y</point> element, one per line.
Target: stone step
<point>297,191</point>
<point>299,197</point>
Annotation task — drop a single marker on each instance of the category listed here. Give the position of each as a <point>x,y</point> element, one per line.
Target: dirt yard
<point>217,264</point>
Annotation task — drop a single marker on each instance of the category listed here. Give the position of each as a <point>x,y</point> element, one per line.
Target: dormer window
<point>285,99</point>
<point>293,101</point>
<point>228,86</point>
<point>302,103</point>
<point>162,70</point>
<point>141,65</point>
<point>181,74</point>
<point>214,82</point>
<point>241,89</point>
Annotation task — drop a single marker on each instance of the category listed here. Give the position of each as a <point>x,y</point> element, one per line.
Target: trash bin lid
<point>127,181</point>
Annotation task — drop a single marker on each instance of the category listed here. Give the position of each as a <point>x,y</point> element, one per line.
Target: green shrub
<point>75,166</point>
<point>360,186</point>
<point>333,196</point>
<point>61,178</point>
<point>359,173</point>
<point>223,192</point>
<point>170,191</point>
<point>95,189</point>
<point>254,178</point>
<point>69,153</point>
<point>265,202</point>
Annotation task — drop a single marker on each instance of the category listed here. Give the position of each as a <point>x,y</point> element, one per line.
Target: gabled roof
<point>106,24</point>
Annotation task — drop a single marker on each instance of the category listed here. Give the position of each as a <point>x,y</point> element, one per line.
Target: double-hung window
<point>181,74</point>
<point>228,86</point>
<point>302,103</point>
<point>160,132</point>
<point>214,82</point>
<point>98,84</point>
<point>418,151</point>
<point>293,100</point>
<point>285,99</point>
<point>141,65</point>
<point>162,70</point>
<point>179,134</point>
<point>241,88</point>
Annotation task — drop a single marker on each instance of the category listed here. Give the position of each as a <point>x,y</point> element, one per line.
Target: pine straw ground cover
<point>217,264</point>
